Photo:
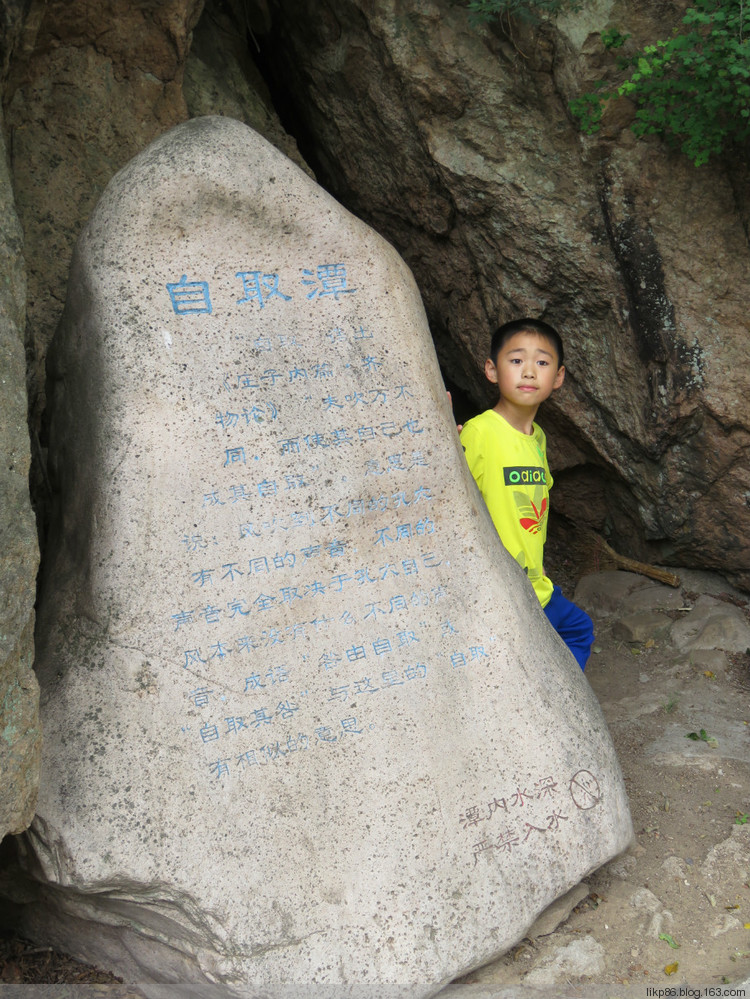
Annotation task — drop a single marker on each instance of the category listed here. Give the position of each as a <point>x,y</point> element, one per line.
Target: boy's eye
<point>543,363</point>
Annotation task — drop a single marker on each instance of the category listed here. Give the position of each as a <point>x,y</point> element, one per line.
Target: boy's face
<point>525,370</point>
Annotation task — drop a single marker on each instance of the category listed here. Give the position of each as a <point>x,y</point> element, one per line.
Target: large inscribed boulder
<point>305,720</point>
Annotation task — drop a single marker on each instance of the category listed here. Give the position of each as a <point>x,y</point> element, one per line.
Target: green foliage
<point>702,736</point>
<point>693,89</point>
<point>670,704</point>
<point>613,39</point>
<point>589,108</point>
<point>532,11</point>
<point>670,940</point>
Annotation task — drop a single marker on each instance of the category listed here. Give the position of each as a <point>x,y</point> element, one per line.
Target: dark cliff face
<point>455,142</point>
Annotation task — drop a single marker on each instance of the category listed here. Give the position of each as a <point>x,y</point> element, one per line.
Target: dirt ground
<point>676,908</point>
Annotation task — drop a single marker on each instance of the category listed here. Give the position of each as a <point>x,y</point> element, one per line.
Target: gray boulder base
<point>304,719</point>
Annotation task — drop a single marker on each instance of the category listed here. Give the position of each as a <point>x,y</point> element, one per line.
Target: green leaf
<point>691,88</point>
<point>669,940</point>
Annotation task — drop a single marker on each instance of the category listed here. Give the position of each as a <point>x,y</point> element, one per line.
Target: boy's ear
<point>559,378</point>
<point>490,370</point>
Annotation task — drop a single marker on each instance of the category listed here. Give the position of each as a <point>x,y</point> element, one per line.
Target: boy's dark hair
<point>503,333</point>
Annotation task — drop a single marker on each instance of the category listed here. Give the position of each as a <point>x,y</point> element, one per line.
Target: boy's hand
<point>459,426</point>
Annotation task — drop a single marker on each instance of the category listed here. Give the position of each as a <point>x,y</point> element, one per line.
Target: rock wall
<point>20,736</point>
<point>87,88</point>
<point>455,142</point>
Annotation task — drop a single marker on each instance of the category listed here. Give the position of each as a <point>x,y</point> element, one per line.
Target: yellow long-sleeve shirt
<point>513,476</point>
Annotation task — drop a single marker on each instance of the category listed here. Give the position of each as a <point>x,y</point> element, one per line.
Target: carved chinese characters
<point>351,615</point>
<point>305,721</point>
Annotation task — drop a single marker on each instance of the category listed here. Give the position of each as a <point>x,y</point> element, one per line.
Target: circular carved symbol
<point>585,790</point>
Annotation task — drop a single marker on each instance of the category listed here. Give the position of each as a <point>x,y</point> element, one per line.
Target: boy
<point>507,454</point>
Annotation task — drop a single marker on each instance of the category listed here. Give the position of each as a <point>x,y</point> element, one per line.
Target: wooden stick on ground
<point>605,557</point>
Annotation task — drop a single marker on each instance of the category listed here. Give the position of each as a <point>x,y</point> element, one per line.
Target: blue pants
<point>572,624</point>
